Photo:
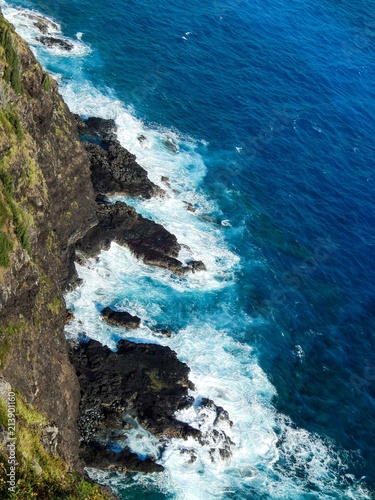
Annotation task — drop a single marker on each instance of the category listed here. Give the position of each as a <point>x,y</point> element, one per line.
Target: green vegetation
<point>51,242</point>
<point>4,213</point>
<point>5,122</point>
<point>39,474</point>
<point>46,82</point>
<point>16,124</point>
<point>32,174</point>
<point>6,247</point>
<point>20,227</point>
<point>55,305</point>
<point>12,72</point>
<point>6,335</point>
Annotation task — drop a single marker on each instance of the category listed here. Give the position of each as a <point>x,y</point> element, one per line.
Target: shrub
<point>6,247</point>
<point>16,124</point>
<point>12,72</point>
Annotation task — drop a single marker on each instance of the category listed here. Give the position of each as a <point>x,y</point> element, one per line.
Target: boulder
<point>52,41</point>
<point>120,318</point>
<point>196,265</point>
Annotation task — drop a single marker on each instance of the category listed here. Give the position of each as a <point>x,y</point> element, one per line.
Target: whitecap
<point>26,21</point>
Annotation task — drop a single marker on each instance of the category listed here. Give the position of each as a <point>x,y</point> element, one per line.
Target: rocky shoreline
<point>115,171</point>
<point>57,175</point>
<point>145,382</point>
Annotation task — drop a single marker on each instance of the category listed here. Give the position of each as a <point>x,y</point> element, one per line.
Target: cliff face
<point>46,204</point>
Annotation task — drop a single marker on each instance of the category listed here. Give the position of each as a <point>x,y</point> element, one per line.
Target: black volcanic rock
<point>100,457</point>
<point>196,265</point>
<point>146,239</point>
<point>144,381</point>
<point>113,168</point>
<point>95,128</point>
<point>120,318</point>
<point>51,41</point>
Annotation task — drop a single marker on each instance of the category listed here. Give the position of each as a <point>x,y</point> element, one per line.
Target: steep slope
<point>46,203</point>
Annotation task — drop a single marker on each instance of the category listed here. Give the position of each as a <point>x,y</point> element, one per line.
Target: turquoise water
<point>272,107</point>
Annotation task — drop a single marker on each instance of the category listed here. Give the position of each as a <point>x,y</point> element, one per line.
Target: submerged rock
<point>190,207</point>
<point>169,143</point>
<point>196,265</point>
<point>52,41</point>
<point>120,318</point>
<point>125,461</point>
<point>43,24</point>
<point>221,415</point>
<point>142,138</point>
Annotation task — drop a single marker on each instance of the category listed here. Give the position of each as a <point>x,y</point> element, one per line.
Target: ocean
<point>270,106</point>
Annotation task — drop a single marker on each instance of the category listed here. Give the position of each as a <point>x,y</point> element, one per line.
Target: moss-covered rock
<point>39,473</point>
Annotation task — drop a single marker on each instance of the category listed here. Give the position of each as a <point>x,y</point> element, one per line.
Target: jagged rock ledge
<point>113,168</point>
<point>142,384</point>
<point>115,171</point>
<point>147,240</point>
<point>52,41</point>
<point>146,382</point>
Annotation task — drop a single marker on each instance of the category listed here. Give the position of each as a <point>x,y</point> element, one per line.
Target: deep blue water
<point>278,98</point>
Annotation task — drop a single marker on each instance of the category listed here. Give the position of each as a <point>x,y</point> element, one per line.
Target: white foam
<point>185,171</point>
<point>24,22</point>
<point>223,370</point>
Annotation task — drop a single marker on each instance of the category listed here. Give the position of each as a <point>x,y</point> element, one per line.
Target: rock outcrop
<point>145,381</point>
<point>53,41</point>
<point>146,239</point>
<point>120,318</point>
<point>113,169</point>
<point>141,384</point>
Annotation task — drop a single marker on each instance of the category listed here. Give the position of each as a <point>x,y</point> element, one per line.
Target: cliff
<point>46,204</point>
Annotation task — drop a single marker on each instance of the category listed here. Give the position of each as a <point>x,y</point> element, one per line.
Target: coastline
<point>96,226</point>
<point>176,308</point>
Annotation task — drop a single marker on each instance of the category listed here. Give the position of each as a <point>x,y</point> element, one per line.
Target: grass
<point>12,73</point>
<point>5,213</point>
<point>39,474</point>
<point>6,334</point>
<point>16,124</point>
<point>55,306</point>
<point>20,227</point>
<point>6,246</point>
<point>46,82</point>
